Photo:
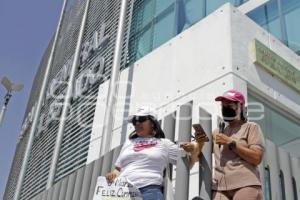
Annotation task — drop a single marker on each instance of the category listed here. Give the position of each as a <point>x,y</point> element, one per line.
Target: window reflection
<point>291,10</point>
<point>163,5</point>
<point>268,17</point>
<point>284,26</point>
<point>213,4</point>
<point>163,30</point>
<point>191,11</point>
<point>148,12</point>
<point>144,43</point>
<point>275,125</point>
<point>154,22</point>
<point>168,18</point>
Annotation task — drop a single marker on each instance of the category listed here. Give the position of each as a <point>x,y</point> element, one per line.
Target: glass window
<point>275,125</point>
<point>192,11</point>
<point>164,27</point>
<point>282,130</point>
<point>162,5</point>
<point>212,5</point>
<point>147,12</point>
<point>268,17</point>
<point>284,26</point>
<point>154,22</point>
<point>291,10</point>
<point>144,44</point>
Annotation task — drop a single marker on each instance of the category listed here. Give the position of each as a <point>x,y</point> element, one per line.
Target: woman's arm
<point>195,154</point>
<point>111,176</point>
<point>252,155</point>
<point>194,149</point>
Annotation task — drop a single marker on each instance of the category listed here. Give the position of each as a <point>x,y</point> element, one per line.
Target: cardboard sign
<point>120,189</point>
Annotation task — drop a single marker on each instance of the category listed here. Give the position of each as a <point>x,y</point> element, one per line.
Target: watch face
<point>232,145</point>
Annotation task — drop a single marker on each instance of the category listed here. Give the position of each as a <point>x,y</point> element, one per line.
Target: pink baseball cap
<point>232,95</point>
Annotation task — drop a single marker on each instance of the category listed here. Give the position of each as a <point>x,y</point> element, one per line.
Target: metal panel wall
<point>107,163</point>
<point>35,198</point>
<point>285,166</point>
<point>103,16</point>
<point>205,166</point>
<point>182,169</point>
<point>116,152</point>
<point>261,169</point>
<point>16,167</point>
<point>39,196</point>
<point>295,162</point>
<point>41,154</point>
<point>44,195</point>
<point>50,193</point>
<point>70,187</point>
<point>68,35</point>
<point>63,189</point>
<point>95,174</point>
<point>86,183</point>
<point>56,190</point>
<point>78,183</point>
<point>169,124</point>
<point>272,161</point>
<point>38,79</point>
<point>63,55</point>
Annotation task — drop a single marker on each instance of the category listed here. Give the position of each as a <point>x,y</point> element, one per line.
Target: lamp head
<point>10,87</point>
<point>17,87</point>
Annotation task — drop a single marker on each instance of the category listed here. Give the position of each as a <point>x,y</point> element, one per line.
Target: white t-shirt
<point>142,160</point>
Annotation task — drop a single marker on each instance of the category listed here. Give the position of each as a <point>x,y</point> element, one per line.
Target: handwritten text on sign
<point>120,189</point>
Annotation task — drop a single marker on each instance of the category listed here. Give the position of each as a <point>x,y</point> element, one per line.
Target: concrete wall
<point>197,65</point>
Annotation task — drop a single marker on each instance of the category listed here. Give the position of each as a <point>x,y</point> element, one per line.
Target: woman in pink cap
<point>147,153</point>
<point>238,149</point>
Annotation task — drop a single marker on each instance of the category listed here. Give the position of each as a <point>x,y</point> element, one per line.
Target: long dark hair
<point>159,133</point>
<point>244,115</point>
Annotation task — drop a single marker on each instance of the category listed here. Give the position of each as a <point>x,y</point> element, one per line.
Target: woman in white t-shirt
<point>147,153</point>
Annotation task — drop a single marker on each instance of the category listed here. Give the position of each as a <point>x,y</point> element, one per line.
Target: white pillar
<point>113,86</point>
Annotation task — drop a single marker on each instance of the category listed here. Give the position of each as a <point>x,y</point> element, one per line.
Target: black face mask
<point>228,113</point>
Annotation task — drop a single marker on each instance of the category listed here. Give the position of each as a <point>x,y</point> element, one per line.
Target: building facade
<point>176,55</point>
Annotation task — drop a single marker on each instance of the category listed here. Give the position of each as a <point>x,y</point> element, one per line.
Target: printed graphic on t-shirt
<point>144,144</point>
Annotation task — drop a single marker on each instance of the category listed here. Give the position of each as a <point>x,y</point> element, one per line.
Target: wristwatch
<point>232,145</point>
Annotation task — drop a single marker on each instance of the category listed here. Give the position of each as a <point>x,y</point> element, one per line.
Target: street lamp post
<point>10,87</point>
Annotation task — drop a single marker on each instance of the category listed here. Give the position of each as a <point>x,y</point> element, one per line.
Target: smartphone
<point>199,130</point>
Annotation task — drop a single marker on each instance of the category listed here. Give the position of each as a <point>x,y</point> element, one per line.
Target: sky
<point>25,31</point>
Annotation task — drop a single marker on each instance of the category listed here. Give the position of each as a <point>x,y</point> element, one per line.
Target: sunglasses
<point>139,119</point>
